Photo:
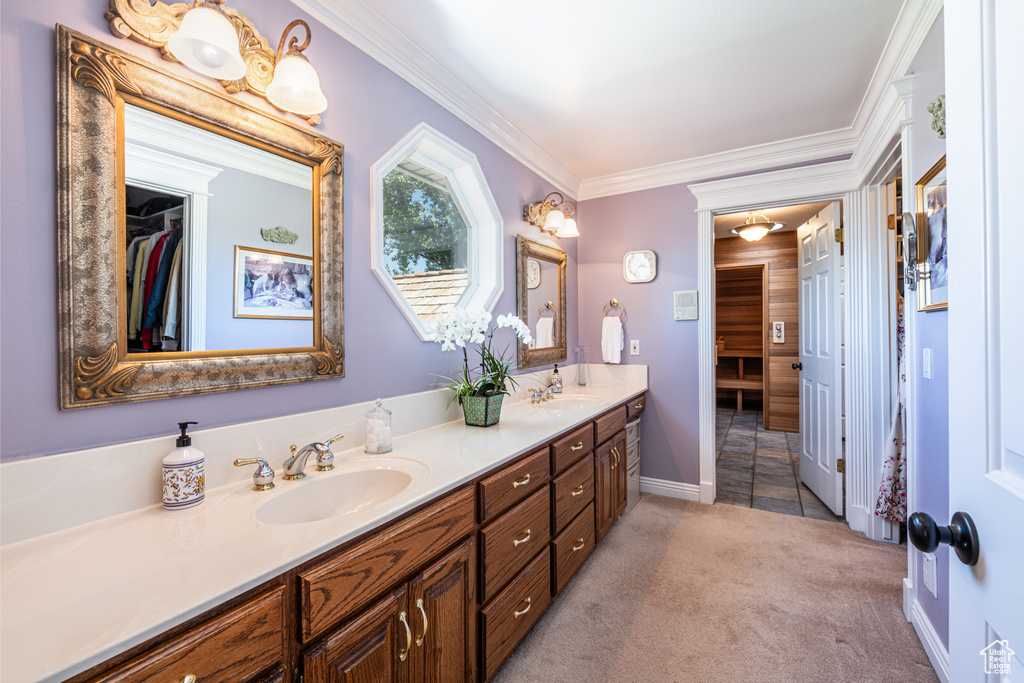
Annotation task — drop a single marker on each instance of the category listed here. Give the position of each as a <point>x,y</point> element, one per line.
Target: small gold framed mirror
<point>540,297</point>
<point>149,158</point>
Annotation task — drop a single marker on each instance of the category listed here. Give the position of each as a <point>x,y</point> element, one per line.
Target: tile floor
<point>760,469</point>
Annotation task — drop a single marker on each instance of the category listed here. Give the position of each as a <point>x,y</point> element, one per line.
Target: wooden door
<point>821,374</point>
<point>443,610</point>
<point>984,56</point>
<point>373,648</point>
<point>619,468</point>
<point>604,489</point>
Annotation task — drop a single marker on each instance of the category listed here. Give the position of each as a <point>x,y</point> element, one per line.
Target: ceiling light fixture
<point>550,216</point>
<point>296,85</point>
<point>755,229</point>
<point>207,42</point>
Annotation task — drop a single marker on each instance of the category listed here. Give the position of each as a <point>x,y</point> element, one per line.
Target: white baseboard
<point>671,489</point>
<point>937,653</point>
<point>908,598</point>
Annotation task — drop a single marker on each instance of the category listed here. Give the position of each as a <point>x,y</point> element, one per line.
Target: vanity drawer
<point>501,491</point>
<point>508,543</point>
<point>233,646</point>
<point>571,447</point>
<point>344,584</point>
<point>636,406</point>
<point>512,614</point>
<point>572,491</point>
<point>572,547</point>
<point>609,424</point>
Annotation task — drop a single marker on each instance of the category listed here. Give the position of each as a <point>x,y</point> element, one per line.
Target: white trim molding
<point>937,653</point>
<point>468,186</point>
<point>670,489</point>
<point>706,403</point>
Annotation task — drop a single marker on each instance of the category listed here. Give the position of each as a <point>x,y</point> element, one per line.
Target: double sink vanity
<point>430,563</point>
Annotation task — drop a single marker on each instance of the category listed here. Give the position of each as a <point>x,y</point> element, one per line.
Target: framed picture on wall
<point>933,281</point>
<point>273,284</point>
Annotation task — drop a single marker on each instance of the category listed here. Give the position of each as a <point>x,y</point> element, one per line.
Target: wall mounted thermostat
<point>685,305</point>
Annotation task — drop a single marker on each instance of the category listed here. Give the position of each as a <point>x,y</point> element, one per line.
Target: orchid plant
<point>457,329</point>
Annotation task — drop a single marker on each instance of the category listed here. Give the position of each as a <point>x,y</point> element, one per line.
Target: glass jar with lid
<point>378,430</point>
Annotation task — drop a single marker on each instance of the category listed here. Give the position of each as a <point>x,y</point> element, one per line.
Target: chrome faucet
<point>541,394</point>
<point>294,465</point>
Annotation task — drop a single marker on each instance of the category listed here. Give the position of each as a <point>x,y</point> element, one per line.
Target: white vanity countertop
<point>75,598</point>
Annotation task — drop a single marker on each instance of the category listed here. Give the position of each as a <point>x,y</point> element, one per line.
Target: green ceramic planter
<point>482,411</point>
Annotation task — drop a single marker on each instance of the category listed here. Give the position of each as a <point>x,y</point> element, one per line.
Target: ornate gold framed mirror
<point>150,159</point>
<point>540,298</point>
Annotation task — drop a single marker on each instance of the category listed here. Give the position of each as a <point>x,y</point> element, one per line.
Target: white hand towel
<point>545,333</point>
<point>611,339</point>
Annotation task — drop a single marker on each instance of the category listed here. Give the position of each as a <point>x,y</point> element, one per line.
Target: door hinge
<point>841,465</point>
<point>891,221</point>
<point>839,235</point>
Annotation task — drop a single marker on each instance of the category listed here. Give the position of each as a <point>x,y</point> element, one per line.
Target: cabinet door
<point>443,611</point>
<point>604,489</point>
<point>619,468</point>
<point>373,648</point>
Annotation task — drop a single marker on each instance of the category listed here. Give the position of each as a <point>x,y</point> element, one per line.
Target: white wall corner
<point>937,653</point>
<point>671,489</point>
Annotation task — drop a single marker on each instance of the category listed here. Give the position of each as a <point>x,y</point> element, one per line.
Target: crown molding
<point>371,32</point>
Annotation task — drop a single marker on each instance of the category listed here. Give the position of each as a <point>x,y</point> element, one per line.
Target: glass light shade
<point>555,221</point>
<point>569,229</point>
<point>296,87</point>
<point>753,233</point>
<point>207,43</point>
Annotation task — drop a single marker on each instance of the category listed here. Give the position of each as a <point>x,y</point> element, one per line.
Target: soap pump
<point>184,473</point>
<point>555,382</point>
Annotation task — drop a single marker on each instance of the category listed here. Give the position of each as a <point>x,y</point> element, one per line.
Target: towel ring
<point>548,305</point>
<point>614,303</point>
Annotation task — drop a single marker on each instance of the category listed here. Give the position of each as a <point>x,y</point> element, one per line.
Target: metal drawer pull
<point>420,638</point>
<point>189,678</point>
<point>518,542</point>
<point>578,491</point>
<point>580,546</point>
<point>638,406</point>
<point>403,654</point>
<point>522,482</point>
<point>520,612</point>
<point>576,446</point>
<point>615,452</point>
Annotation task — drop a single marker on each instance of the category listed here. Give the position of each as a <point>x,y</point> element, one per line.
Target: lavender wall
<point>370,109</point>
<point>663,220</point>
<point>930,415</point>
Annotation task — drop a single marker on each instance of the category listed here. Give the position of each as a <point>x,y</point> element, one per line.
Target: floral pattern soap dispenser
<point>184,473</point>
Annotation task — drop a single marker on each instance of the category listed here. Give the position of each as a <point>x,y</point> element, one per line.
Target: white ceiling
<point>792,216</point>
<point>608,87</point>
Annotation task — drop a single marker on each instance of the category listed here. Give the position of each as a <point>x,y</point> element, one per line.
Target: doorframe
<point>867,281</point>
<point>765,332</point>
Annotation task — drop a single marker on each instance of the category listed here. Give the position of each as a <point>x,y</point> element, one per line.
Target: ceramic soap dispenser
<point>184,473</point>
<point>555,382</point>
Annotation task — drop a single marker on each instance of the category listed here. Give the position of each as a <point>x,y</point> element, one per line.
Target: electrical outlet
<point>926,363</point>
<point>634,347</point>
<point>929,573</point>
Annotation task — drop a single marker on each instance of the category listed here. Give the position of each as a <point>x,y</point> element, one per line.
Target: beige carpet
<point>680,591</point>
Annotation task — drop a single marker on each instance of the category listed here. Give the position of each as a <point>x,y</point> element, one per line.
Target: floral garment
<point>892,494</point>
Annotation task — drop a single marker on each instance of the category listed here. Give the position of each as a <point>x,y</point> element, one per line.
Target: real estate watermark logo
<point>997,657</point>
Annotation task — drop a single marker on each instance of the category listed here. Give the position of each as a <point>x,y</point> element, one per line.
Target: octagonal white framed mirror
<point>437,231</point>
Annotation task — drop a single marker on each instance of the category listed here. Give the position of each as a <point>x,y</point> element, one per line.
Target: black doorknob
<point>798,366</point>
<point>926,535</point>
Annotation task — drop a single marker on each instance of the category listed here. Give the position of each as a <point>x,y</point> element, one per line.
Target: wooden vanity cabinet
<point>610,482</point>
<point>422,632</point>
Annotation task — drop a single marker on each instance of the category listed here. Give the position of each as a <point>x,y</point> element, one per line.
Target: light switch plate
<point>779,333</point>
<point>634,347</point>
<point>926,363</point>
<point>929,573</point>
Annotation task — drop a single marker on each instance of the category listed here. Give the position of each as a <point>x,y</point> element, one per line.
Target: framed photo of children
<point>932,289</point>
<point>273,284</point>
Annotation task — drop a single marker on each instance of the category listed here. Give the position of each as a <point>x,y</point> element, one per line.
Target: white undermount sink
<point>352,487</point>
<point>571,402</point>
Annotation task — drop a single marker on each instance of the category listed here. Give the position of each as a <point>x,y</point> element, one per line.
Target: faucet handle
<point>324,456</point>
<point>263,477</point>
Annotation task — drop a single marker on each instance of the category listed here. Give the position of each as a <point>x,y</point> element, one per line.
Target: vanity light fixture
<point>296,86</point>
<point>755,229</point>
<point>207,42</point>
<point>550,216</point>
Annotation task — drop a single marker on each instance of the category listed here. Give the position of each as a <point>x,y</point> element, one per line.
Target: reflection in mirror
<point>426,239</point>
<point>540,280</point>
<point>193,198</point>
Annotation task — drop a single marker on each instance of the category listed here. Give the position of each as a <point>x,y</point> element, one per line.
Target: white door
<point>821,372</point>
<point>985,173</point>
